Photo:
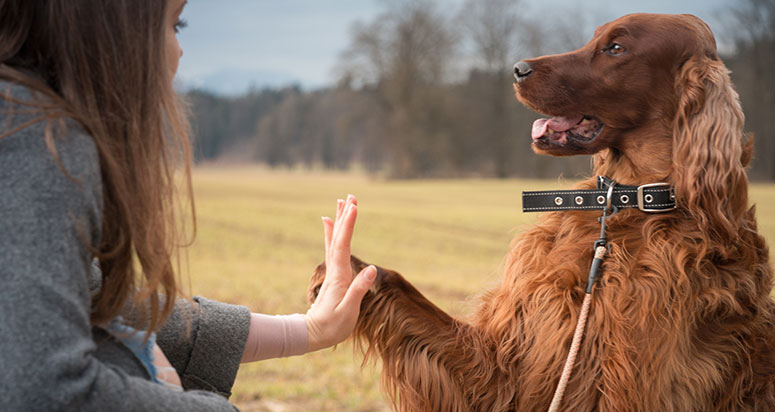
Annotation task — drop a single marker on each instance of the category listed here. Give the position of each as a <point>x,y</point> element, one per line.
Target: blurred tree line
<point>426,93</point>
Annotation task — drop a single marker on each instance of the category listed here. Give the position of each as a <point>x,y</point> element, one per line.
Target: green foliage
<point>260,237</point>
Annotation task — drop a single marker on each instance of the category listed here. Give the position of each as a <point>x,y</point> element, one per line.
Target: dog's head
<point>652,90</point>
<point>620,82</point>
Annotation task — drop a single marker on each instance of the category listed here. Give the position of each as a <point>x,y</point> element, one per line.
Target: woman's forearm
<point>275,337</point>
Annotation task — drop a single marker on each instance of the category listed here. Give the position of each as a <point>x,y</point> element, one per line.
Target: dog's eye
<point>614,49</point>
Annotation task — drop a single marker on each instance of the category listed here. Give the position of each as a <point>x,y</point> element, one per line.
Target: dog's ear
<point>708,169</point>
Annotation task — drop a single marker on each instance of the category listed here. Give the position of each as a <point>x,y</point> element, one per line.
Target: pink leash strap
<point>600,252</point>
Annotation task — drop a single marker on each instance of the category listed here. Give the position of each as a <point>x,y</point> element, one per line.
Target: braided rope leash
<point>601,249</point>
<point>600,252</point>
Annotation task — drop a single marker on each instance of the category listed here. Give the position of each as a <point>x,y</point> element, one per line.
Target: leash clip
<point>602,247</point>
<point>609,200</point>
<point>602,219</point>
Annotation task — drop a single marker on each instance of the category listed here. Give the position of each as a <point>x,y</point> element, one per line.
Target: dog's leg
<point>430,361</point>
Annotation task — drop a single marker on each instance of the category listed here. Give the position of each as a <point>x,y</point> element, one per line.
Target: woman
<point>90,138</point>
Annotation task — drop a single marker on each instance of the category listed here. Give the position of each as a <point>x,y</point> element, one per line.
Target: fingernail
<point>371,272</point>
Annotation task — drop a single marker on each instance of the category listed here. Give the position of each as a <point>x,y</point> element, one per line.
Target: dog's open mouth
<point>559,130</point>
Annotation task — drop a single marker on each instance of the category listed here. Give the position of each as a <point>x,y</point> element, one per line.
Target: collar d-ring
<point>609,196</point>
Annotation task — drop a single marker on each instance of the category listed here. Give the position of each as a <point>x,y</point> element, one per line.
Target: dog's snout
<point>522,70</point>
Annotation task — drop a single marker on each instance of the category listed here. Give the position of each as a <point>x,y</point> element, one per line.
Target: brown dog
<point>682,319</point>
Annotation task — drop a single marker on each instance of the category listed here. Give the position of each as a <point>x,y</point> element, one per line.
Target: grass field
<point>260,236</point>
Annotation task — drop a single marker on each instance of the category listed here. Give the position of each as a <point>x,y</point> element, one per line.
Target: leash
<point>653,197</point>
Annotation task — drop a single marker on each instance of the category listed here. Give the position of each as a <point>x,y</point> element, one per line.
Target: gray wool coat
<point>51,358</point>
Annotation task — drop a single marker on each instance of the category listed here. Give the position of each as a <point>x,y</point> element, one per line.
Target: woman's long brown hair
<point>104,64</point>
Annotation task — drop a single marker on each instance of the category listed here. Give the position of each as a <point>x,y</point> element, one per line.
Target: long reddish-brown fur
<point>683,318</point>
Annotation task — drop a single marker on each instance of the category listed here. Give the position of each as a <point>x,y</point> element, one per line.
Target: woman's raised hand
<point>332,317</point>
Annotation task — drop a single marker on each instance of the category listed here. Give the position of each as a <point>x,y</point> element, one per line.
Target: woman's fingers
<point>328,230</point>
<point>338,271</point>
<point>343,235</point>
<point>342,209</point>
<point>337,236</point>
<point>339,208</point>
<point>360,285</point>
<point>342,206</point>
<point>165,371</point>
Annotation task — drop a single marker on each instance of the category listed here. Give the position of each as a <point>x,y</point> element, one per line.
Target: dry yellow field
<point>260,236</point>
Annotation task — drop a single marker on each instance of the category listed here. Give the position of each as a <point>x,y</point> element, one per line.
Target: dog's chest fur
<point>636,340</point>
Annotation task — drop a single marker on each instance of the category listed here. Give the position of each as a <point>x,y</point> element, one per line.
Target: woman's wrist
<point>315,335</point>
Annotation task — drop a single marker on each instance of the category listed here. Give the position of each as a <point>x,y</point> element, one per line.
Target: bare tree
<point>404,54</point>
<point>495,29</point>
<point>364,62</point>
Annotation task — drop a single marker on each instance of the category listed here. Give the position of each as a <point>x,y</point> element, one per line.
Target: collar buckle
<point>643,200</point>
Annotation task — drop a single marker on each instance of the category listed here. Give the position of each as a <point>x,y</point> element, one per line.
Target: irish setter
<point>682,320</point>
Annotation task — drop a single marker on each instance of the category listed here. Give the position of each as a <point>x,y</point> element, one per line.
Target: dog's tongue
<point>558,124</point>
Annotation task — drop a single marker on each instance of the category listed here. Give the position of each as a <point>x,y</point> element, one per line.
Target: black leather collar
<point>652,197</point>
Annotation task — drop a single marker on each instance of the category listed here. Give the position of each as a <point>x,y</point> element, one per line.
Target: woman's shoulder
<point>45,161</point>
<point>32,140</point>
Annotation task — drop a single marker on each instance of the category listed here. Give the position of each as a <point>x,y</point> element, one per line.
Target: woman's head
<point>53,38</point>
<point>172,26</point>
<point>109,65</point>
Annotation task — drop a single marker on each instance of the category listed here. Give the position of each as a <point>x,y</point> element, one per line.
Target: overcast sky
<point>231,44</point>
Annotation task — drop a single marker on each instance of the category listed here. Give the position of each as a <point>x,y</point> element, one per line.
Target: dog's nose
<point>521,71</point>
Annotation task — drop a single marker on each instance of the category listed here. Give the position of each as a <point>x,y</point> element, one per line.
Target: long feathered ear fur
<point>708,170</point>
